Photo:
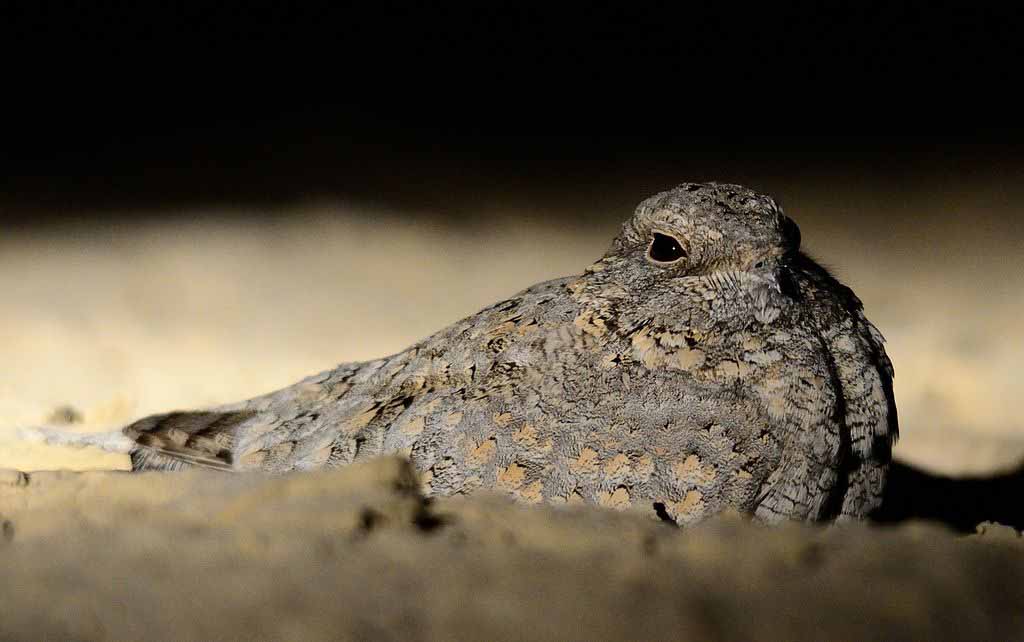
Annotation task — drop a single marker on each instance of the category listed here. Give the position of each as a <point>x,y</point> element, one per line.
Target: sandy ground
<point>357,554</point>
<point>121,320</point>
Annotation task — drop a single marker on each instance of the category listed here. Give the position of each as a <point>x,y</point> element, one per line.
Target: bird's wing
<point>852,407</point>
<point>224,438</point>
<point>871,419</point>
<point>863,375</point>
<point>325,420</point>
<point>347,413</point>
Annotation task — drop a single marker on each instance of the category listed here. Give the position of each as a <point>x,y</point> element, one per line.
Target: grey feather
<point>740,375</point>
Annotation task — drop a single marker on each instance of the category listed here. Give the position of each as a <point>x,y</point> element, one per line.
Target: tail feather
<point>149,459</point>
<point>179,440</point>
<point>113,441</point>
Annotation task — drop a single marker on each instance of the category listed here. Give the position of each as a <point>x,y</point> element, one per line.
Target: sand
<point>358,554</point>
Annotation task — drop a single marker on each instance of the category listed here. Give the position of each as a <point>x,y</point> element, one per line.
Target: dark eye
<point>665,249</point>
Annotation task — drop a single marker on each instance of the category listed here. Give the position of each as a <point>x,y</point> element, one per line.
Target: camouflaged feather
<point>741,376</point>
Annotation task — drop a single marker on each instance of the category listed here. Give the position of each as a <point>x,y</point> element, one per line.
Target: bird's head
<point>720,248</point>
<point>703,228</point>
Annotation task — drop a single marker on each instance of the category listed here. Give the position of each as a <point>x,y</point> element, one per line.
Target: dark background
<point>114,106</point>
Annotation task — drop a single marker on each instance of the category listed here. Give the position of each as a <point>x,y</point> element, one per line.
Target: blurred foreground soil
<point>357,553</point>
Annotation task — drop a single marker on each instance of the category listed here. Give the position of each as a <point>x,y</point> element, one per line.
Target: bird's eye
<point>665,249</point>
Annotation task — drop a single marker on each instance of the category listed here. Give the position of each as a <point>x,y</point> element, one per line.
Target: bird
<point>703,364</point>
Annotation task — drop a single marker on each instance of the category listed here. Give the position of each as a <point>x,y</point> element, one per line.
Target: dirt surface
<point>358,554</point>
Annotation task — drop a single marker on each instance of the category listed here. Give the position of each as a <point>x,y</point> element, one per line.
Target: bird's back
<point>359,410</point>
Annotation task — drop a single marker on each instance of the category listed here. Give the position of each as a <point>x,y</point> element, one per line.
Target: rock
<point>64,415</point>
<point>1000,531</point>
<point>358,553</point>
<point>10,477</point>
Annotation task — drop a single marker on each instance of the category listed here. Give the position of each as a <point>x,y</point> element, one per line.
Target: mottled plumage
<point>703,363</point>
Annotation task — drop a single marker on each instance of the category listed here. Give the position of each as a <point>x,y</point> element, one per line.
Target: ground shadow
<point>961,503</point>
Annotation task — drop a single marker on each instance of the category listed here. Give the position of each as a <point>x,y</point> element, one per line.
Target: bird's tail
<point>113,441</point>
